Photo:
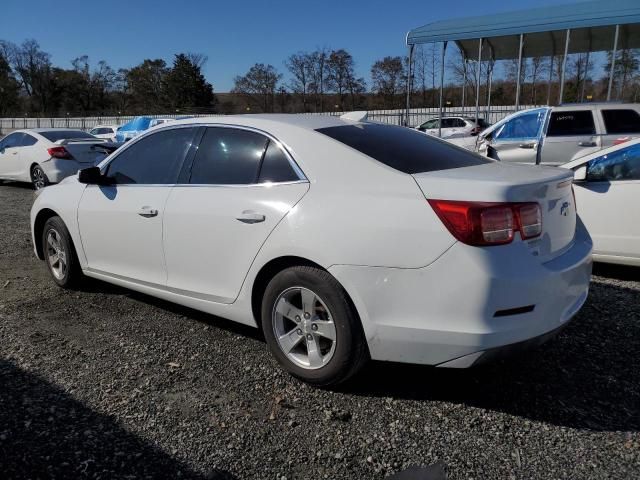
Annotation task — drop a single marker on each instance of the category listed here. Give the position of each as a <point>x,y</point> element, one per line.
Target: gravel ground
<point>107,383</point>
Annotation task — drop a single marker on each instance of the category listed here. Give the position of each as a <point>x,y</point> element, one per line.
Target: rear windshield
<point>403,148</point>
<point>55,135</point>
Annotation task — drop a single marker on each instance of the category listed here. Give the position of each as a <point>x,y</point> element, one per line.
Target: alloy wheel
<point>56,254</point>
<point>39,178</point>
<point>304,328</point>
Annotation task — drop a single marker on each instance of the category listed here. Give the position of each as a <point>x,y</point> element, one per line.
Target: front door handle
<point>147,212</point>
<point>249,216</point>
<point>587,144</point>
<point>530,145</point>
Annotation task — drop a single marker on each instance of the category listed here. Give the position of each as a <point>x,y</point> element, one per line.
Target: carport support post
<point>613,61</point>
<point>464,81</point>
<point>406,121</point>
<point>488,116</point>
<point>519,72</point>
<point>586,69</point>
<point>564,65</point>
<point>478,80</point>
<point>553,57</point>
<point>444,50</point>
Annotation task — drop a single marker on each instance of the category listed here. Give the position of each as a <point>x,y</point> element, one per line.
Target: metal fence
<point>82,123</point>
<point>421,115</point>
<point>394,117</point>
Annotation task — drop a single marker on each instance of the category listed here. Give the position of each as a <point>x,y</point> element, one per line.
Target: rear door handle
<point>249,216</point>
<point>147,212</point>
<point>587,144</point>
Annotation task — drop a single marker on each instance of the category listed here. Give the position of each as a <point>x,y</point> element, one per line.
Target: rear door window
<point>621,121</point>
<point>402,148</point>
<point>228,156</point>
<point>28,140</point>
<point>579,122</point>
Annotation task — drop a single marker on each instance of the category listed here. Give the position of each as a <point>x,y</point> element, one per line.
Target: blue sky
<point>233,34</point>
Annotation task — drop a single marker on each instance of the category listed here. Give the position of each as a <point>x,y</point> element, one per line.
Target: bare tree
<point>259,85</point>
<point>340,74</point>
<point>300,65</point>
<point>318,84</point>
<point>388,77</point>
<point>538,68</point>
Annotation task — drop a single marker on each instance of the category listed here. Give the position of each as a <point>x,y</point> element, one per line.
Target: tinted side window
<point>623,164</point>
<point>12,140</point>
<point>579,122</point>
<point>276,166</point>
<point>228,156</point>
<point>402,148</point>
<point>28,140</point>
<point>155,159</point>
<point>621,121</point>
<point>458,122</point>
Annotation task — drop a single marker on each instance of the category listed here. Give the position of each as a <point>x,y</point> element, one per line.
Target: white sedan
<point>342,240</point>
<point>47,155</point>
<point>108,132</point>
<point>607,186</point>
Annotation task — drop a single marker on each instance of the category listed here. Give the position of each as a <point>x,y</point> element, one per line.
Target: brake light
<point>60,152</point>
<point>482,223</point>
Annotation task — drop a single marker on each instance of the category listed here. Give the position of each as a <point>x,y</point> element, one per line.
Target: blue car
<point>135,127</point>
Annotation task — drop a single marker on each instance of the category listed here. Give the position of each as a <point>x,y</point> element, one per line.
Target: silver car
<point>557,135</point>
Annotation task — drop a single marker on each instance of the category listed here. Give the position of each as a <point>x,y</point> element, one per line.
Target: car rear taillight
<point>482,223</point>
<point>59,152</point>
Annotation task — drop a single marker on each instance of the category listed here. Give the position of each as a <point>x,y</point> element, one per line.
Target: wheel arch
<point>38,227</point>
<point>275,266</point>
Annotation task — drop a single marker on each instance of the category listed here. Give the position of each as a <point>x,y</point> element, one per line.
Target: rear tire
<point>39,179</point>
<point>60,254</point>
<point>311,327</point>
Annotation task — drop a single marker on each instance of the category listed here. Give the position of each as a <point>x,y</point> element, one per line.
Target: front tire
<point>60,254</point>
<point>311,327</point>
<point>39,179</point>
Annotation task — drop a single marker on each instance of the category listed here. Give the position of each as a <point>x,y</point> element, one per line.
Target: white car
<point>47,155</point>
<point>607,187</point>
<point>108,132</point>
<point>453,127</point>
<point>343,240</point>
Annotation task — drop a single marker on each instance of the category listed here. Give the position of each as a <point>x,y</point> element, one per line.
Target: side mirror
<point>91,176</point>
<point>580,174</point>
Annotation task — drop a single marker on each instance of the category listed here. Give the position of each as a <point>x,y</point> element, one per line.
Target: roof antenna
<point>360,116</point>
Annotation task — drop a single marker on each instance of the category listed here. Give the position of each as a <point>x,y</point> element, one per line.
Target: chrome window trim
<point>201,185</point>
<point>302,178</point>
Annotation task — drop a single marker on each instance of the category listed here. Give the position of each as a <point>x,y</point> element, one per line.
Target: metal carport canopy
<point>592,26</point>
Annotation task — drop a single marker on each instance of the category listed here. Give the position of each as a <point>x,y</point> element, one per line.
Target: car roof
<point>305,121</point>
<point>588,106</point>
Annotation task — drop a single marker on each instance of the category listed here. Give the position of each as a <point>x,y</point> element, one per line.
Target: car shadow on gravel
<point>618,272</point>
<point>92,285</point>
<point>45,433</point>
<point>587,377</point>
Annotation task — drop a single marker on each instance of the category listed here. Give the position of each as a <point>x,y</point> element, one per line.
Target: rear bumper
<point>445,313</point>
